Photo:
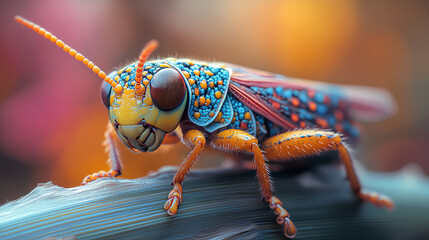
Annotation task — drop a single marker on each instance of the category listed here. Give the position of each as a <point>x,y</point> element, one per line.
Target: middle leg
<point>238,140</point>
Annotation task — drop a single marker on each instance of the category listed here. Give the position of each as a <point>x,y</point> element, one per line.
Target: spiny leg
<point>114,158</point>
<point>305,143</point>
<point>196,140</point>
<point>238,140</point>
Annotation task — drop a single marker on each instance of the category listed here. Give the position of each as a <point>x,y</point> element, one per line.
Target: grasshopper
<point>233,109</point>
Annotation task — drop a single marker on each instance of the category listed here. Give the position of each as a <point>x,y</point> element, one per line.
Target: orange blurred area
<point>52,120</point>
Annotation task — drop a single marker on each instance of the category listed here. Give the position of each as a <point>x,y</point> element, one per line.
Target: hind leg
<point>305,143</point>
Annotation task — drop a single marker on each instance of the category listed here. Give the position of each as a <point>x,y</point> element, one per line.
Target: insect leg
<point>238,140</point>
<point>114,160</point>
<point>195,140</point>
<point>305,143</point>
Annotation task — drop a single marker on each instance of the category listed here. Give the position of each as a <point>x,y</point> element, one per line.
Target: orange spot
<point>276,105</point>
<point>121,71</point>
<point>247,116</point>
<point>302,124</point>
<point>85,61</point>
<point>197,115</point>
<point>208,101</point>
<point>128,70</point>
<point>243,125</point>
<point>312,106</point>
<point>116,78</point>
<point>208,72</point>
<point>145,82</point>
<point>133,83</point>
<point>218,117</point>
<point>191,81</point>
<point>203,84</point>
<point>164,65</point>
<point>218,94</point>
<point>145,73</point>
<point>211,84</point>
<point>339,115</point>
<point>127,78</point>
<point>186,74</point>
<point>211,114</point>
<point>79,57</point>
<point>322,122</point>
<point>149,77</point>
<point>73,52</point>
<point>339,127</point>
<point>196,103</point>
<point>294,117</point>
<point>326,99</point>
<point>197,92</point>
<point>202,100</point>
<point>118,89</point>
<point>295,101</point>
<point>220,82</point>
<point>196,72</point>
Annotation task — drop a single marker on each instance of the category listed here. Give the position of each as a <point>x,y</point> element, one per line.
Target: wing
<point>295,103</point>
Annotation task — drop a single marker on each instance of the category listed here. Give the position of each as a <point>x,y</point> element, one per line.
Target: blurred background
<point>52,119</point>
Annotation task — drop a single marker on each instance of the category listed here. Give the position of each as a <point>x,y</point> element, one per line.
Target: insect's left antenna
<point>116,87</point>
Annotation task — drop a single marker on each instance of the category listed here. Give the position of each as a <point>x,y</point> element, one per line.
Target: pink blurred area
<point>52,119</point>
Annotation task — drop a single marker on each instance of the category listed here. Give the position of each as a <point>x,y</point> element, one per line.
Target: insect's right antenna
<point>116,87</point>
<point>144,55</point>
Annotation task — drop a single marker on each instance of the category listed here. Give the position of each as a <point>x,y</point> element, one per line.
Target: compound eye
<point>167,89</point>
<point>105,90</point>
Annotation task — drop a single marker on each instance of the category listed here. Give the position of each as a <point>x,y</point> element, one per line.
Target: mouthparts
<point>142,137</point>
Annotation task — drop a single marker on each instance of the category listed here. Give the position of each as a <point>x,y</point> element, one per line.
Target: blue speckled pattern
<point>243,119</point>
<point>223,118</point>
<point>208,87</point>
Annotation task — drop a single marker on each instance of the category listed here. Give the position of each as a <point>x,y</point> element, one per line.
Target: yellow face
<point>142,121</point>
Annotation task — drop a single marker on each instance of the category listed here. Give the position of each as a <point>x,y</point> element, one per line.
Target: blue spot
<point>269,91</point>
<point>303,96</point>
<point>354,132</point>
<point>331,121</point>
<point>287,93</point>
<point>319,97</point>
<point>322,109</point>
<point>295,93</point>
<point>318,135</point>
<point>334,101</point>
<point>279,90</point>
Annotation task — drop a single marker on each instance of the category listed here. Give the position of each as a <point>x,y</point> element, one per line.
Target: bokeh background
<point>52,119</point>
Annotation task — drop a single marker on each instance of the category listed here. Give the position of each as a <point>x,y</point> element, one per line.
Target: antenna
<point>116,87</point>
<point>146,52</point>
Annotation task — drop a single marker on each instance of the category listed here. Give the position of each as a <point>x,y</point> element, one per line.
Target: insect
<point>232,109</point>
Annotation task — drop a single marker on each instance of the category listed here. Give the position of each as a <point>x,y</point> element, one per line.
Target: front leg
<point>114,159</point>
<point>195,140</point>
<point>238,140</point>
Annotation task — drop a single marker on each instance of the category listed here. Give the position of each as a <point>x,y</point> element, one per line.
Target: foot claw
<point>378,200</point>
<point>100,174</point>
<point>283,217</point>
<point>174,199</point>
